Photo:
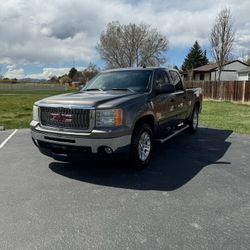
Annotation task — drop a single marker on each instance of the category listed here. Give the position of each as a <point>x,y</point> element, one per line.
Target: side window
<point>176,80</point>
<point>161,79</point>
<point>166,77</point>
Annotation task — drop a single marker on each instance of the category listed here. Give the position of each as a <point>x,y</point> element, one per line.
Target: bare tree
<point>247,61</point>
<point>91,71</point>
<point>244,55</point>
<point>132,45</point>
<point>222,39</point>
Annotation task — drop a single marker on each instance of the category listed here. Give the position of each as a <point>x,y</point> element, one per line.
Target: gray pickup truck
<point>120,111</point>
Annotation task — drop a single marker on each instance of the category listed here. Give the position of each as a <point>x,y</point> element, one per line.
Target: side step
<point>175,132</point>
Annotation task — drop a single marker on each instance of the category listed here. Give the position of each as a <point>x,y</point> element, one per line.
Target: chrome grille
<point>73,119</point>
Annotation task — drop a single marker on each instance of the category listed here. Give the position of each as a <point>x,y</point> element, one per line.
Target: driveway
<point>194,195</point>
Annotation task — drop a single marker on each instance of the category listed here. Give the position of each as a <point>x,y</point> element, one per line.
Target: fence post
<point>243,91</point>
<point>221,91</point>
<point>212,90</point>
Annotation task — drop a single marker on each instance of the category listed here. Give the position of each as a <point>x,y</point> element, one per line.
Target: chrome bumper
<point>93,140</point>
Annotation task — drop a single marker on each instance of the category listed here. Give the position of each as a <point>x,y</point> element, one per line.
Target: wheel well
<point>149,119</point>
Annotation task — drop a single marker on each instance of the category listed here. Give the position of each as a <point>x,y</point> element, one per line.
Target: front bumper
<point>94,141</point>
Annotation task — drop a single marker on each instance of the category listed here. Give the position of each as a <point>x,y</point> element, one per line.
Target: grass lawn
<point>16,106</point>
<point>226,115</point>
<point>16,111</point>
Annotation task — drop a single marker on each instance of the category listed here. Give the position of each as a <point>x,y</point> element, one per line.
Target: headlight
<point>109,118</point>
<point>35,113</point>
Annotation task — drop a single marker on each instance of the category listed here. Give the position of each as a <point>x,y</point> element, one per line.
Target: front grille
<point>60,117</point>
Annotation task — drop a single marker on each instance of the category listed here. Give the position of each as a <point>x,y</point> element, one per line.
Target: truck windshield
<point>136,80</point>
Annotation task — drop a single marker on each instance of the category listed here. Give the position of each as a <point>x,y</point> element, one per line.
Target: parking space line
<point>7,139</point>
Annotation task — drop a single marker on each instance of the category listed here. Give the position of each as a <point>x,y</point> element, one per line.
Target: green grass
<point>16,106</point>
<point>226,115</point>
<point>16,111</point>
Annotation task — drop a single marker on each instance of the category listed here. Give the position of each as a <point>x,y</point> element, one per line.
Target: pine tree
<point>195,58</point>
<point>72,73</point>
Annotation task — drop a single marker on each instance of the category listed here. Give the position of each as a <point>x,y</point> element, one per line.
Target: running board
<point>176,132</point>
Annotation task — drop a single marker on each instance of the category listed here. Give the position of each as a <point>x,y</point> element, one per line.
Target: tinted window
<point>176,80</point>
<point>161,79</point>
<point>136,80</point>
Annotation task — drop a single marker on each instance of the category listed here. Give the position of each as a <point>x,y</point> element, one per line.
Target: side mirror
<point>168,88</point>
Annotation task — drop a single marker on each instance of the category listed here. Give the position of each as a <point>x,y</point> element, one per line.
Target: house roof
<point>213,66</point>
<point>207,67</point>
<point>246,69</point>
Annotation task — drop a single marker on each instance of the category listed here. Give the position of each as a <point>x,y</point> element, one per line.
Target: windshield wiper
<point>124,89</point>
<point>94,89</point>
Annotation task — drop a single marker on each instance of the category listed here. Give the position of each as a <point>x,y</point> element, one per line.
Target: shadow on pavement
<point>174,163</point>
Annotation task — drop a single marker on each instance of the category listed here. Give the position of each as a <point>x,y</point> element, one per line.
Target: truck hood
<point>91,98</point>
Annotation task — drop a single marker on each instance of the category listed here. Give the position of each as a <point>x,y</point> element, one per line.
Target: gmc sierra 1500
<point>119,111</point>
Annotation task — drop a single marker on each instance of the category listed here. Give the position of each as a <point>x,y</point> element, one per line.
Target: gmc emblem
<point>57,117</point>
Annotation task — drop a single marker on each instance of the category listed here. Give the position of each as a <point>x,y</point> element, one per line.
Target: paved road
<point>194,195</point>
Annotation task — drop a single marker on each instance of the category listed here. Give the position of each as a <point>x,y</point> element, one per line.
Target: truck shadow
<point>174,164</point>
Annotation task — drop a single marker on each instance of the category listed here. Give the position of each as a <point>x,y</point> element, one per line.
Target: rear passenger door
<point>181,96</point>
<point>164,103</point>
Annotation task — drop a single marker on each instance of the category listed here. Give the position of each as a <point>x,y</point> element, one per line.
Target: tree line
<point>77,76</point>
<point>138,45</point>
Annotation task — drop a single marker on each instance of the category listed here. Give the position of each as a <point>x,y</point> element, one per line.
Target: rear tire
<point>193,122</point>
<point>141,147</point>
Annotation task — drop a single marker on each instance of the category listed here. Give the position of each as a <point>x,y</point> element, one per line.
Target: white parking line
<point>7,139</point>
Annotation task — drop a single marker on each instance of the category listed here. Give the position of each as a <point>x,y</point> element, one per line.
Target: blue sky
<point>48,37</point>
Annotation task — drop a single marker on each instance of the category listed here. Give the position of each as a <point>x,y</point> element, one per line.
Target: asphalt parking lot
<point>194,195</point>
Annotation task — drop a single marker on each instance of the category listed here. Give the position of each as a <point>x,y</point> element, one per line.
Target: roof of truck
<point>136,69</point>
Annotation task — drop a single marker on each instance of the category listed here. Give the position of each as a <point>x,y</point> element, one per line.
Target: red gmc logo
<point>57,117</point>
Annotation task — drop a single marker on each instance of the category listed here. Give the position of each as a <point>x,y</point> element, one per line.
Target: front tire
<point>141,147</point>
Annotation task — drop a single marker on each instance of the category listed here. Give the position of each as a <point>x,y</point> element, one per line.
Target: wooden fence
<point>237,91</point>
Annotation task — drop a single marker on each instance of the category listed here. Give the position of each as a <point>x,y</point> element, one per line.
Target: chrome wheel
<point>144,146</point>
<point>195,119</point>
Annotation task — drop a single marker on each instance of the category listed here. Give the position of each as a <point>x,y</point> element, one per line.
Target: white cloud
<point>47,73</point>
<point>56,31</point>
<point>14,72</point>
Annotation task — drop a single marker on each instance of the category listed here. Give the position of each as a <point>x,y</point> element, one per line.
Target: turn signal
<point>118,117</point>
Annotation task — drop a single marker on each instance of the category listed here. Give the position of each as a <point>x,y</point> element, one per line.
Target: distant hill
<point>32,80</point>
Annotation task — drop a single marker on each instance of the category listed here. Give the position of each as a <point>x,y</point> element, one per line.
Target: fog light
<point>108,150</point>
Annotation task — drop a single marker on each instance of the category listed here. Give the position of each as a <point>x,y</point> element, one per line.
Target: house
<point>244,74</point>
<point>209,72</point>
